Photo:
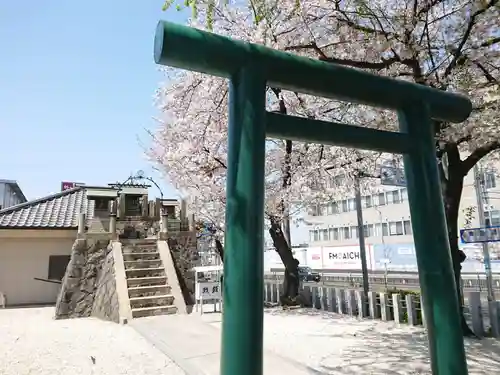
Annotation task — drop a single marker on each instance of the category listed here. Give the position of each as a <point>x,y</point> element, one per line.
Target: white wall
<point>23,259</point>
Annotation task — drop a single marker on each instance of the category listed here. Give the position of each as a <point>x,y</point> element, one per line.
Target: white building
<point>10,194</point>
<point>388,230</point>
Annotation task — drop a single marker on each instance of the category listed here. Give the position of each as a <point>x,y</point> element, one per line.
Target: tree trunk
<point>452,193</point>
<point>291,282</point>
<point>219,249</point>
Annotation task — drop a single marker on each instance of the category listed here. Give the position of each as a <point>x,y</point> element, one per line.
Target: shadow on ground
<point>347,346</point>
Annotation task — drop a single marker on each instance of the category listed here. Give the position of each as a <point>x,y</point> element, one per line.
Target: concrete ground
<point>315,342</point>
<point>296,342</point>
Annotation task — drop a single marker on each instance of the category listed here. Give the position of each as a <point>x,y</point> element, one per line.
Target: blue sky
<point>77,80</point>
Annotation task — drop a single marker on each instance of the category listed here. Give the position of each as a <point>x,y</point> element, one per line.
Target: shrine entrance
<point>251,68</point>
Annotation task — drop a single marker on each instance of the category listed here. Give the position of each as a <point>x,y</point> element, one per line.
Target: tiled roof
<point>58,211</point>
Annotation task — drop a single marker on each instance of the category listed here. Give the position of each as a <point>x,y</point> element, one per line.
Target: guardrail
<point>402,280</point>
<point>400,307</point>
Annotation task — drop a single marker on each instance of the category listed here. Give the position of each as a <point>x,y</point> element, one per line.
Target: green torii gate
<point>250,69</point>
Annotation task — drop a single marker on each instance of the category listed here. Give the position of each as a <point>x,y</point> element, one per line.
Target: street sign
<point>392,176</point>
<point>477,235</point>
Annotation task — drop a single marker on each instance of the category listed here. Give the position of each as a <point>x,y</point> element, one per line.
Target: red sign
<point>316,257</point>
<point>66,185</point>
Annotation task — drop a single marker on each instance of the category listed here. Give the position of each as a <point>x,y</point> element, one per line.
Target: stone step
<point>152,311</point>
<point>145,272</point>
<point>151,301</point>
<point>139,242</point>
<point>142,263</point>
<point>145,291</point>
<point>138,249</point>
<point>147,281</point>
<point>141,256</point>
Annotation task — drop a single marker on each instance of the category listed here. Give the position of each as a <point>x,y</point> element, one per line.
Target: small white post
<point>362,306</point>
<point>332,300</point>
<point>351,302</point>
<point>410,310</point>
<point>373,308</point>
<point>476,313</point>
<point>396,305</point>
<point>340,301</point>
<point>324,302</point>
<point>384,307</point>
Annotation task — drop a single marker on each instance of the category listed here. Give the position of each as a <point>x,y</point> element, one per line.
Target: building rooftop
<point>56,211</point>
<point>15,187</point>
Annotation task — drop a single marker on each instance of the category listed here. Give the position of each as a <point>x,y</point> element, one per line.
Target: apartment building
<point>387,217</point>
<point>10,194</point>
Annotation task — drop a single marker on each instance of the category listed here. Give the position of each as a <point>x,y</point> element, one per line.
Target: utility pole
<point>479,187</point>
<point>361,235</point>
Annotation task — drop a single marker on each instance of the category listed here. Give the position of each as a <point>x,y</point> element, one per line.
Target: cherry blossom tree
<point>446,44</point>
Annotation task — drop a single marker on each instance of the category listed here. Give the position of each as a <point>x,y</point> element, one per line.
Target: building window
<point>330,234</point>
<point>494,217</point>
<point>316,235</point>
<point>347,233</point>
<point>313,210</point>
<point>404,195</point>
<point>57,266</point>
<point>352,204</point>
<point>389,197</point>
<point>336,234</point>
<point>325,235</point>
<point>381,199</point>
<point>395,196</point>
<point>489,180</point>
<point>354,232</point>
<point>368,230</point>
<point>368,201</point>
<point>329,209</point>
<point>335,207</point>
<point>385,229</point>
<point>407,227</point>
<point>344,206</point>
<point>396,228</point>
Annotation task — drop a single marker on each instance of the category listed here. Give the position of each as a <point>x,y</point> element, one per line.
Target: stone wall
<point>185,256</point>
<point>88,282</point>
<point>106,300</point>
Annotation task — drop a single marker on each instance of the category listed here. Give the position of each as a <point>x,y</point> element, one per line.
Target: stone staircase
<point>147,283</point>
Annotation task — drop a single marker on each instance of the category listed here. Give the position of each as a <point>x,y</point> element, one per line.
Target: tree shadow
<point>381,348</point>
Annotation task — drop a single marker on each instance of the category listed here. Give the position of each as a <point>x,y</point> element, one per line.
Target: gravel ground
<point>31,342</point>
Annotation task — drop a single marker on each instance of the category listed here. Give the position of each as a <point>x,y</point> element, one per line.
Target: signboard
<point>314,257</point>
<point>208,290</point>
<point>392,176</point>
<point>66,185</point>
<point>345,257</point>
<point>478,235</point>
<point>395,257</point>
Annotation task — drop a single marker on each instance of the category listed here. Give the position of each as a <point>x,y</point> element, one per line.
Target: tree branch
<point>472,21</point>
<point>385,63</point>
<point>478,154</point>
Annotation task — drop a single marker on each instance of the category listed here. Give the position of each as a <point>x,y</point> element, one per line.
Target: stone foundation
<point>185,256</point>
<point>89,287</point>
